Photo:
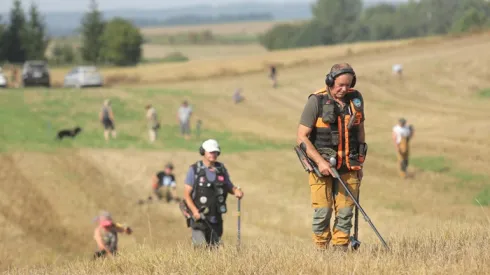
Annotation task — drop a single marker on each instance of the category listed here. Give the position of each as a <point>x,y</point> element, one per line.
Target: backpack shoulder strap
<point>322,95</point>
<point>220,168</point>
<point>198,168</point>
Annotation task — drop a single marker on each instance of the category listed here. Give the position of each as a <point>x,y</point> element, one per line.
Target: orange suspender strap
<point>339,150</point>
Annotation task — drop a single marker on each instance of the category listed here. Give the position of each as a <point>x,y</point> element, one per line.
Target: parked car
<point>35,72</point>
<point>84,76</point>
<point>3,79</point>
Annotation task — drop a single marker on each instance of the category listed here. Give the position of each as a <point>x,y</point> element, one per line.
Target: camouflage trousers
<point>327,196</point>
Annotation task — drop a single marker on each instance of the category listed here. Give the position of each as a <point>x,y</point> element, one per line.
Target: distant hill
<point>66,23</point>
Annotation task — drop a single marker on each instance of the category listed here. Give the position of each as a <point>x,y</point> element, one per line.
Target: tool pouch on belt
<point>358,156</point>
<point>186,212</point>
<point>197,225</point>
<point>363,147</point>
<point>327,153</point>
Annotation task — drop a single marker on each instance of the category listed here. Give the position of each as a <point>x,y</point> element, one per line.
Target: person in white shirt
<point>402,133</point>
<point>183,117</point>
<point>397,69</point>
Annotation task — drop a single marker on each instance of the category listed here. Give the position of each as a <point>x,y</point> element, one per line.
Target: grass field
<point>203,52</point>
<point>436,223</point>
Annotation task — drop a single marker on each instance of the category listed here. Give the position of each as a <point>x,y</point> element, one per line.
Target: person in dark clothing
<point>163,184</point>
<point>106,117</point>
<point>205,191</point>
<point>273,75</point>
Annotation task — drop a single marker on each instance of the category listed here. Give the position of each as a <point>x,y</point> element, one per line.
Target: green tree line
<point>114,42</point>
<point>343,21</point>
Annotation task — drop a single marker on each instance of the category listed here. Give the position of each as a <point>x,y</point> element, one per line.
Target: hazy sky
<point>81,5</point>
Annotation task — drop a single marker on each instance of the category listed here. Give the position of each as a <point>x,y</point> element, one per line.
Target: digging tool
<point>238,223</point>
<point>333,163</point>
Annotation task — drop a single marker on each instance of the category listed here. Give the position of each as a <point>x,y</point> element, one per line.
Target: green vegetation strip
<point>485,93</point>
<point>31,118</point>
<point>464,179</point>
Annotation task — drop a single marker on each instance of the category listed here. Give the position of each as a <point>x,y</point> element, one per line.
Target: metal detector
<point>333,163</point>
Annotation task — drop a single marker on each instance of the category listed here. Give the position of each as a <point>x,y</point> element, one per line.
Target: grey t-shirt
<point>210,175</point>
<point>310,111</point>
<point>185,113</point>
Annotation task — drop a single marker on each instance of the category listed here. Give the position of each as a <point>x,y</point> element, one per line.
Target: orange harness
<point>347,123</point>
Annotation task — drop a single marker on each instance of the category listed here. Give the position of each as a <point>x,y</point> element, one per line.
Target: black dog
<point>68,133</point>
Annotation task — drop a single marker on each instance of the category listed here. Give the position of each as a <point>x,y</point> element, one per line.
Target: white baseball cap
<point>211,145</point>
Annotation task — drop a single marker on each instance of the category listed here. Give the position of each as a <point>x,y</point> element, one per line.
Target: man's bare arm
<point>154,181</point>
<point>302,136</point>
<point>111,115</point>
<point>394,136</point>
<point>188,199</point>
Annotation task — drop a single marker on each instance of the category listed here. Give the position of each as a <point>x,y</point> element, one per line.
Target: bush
<point>121,43</point>
<point>175,57</point>
<point>63,53</point>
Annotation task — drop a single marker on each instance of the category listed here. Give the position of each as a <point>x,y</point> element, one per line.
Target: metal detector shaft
<point>366,217</point>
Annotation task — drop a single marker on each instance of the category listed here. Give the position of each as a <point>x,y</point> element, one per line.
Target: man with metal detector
<point>205,192</point>
<point>332,127</point>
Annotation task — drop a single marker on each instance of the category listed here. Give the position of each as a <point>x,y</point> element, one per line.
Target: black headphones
<point>330,79</point>
<point>201,150</point>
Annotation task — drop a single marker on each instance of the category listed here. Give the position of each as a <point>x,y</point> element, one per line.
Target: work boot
<point>403,175</point>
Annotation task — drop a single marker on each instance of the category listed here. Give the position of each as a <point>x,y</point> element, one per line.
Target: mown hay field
<point>236,64</point>
<point>435,223</point>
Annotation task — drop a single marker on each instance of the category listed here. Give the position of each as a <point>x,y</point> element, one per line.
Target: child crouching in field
<point>106,235</point>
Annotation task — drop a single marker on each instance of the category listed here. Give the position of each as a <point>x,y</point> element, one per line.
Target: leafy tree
<point>279,37</point>
<point>313,33</point>
<point>338,15</point>
<point>439,14</point>
<point>378,22</point>
<point>343,21</point>
<point>121,42</point>
<point>15,36</point>
<point>2,40</point>
<point>410,20</point>
<point>63,53</point>
<point>471,19</point>
<point>36,39</point>
<point>92,28</point>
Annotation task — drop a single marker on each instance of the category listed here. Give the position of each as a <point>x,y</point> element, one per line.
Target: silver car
<point>84,76</point>
<point>3,79</point>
